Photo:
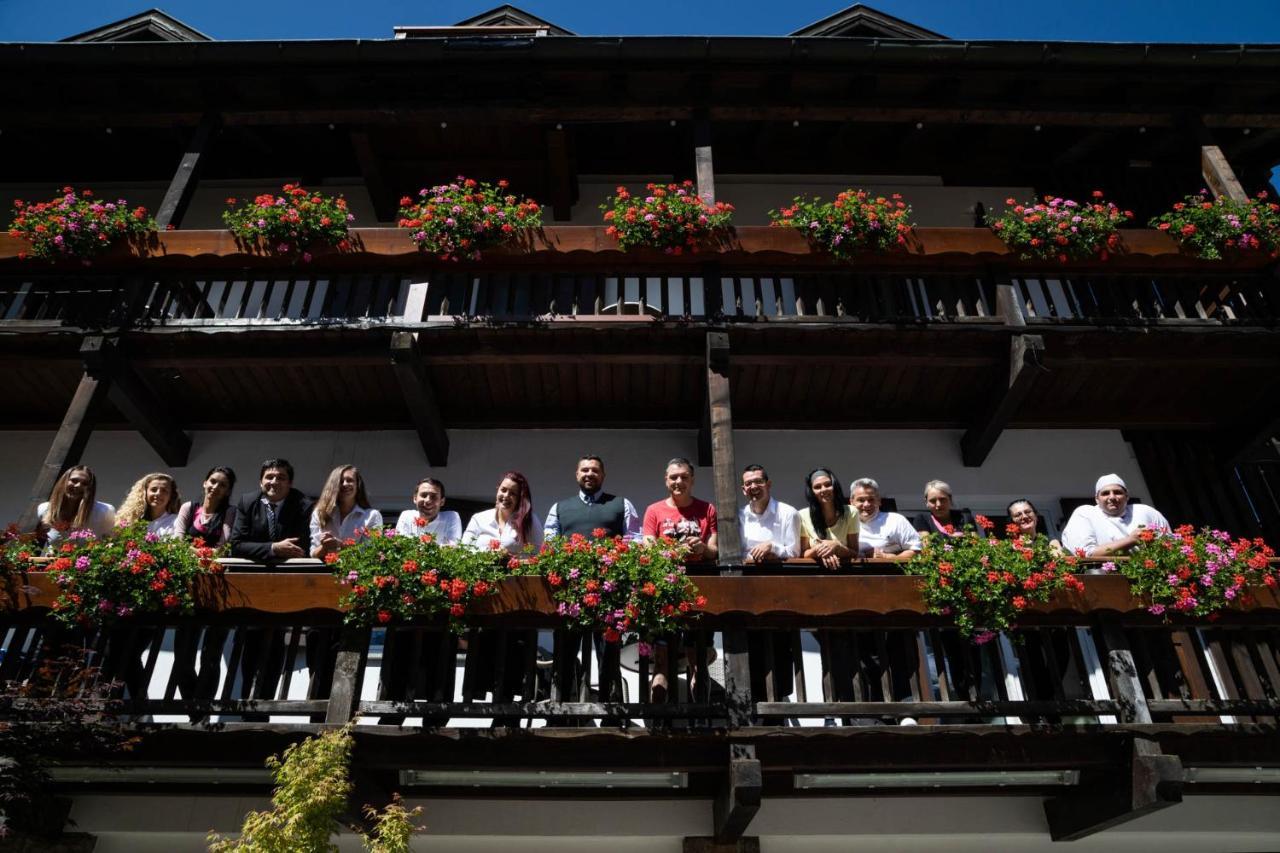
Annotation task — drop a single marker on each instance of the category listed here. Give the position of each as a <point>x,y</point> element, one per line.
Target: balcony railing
<point>820,650</point>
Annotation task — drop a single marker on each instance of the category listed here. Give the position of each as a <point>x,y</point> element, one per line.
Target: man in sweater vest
<point>593,508</point>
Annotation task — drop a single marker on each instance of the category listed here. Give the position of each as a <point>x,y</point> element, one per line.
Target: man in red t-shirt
<point>681,516</point>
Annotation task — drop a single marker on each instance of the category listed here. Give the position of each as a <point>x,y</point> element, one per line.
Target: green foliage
<point>621,588</point>
<point>1208,227</point>
<point>460,219</point>
<point>1196,573</point>
<point>76,225</point>
<point>287,224</point>
<point>131,571</point>
<point>984,583</point>
<point>855,222</point>
<point>1060,229</point>
<point>311,791</point>
<point>671,218</point>
<point>406,577</point>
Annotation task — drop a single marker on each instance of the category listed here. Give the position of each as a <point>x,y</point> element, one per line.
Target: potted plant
<point>1061,229</point>
<point>290,223</point>
<point>463,218</point>
<point>670,218</point>
<point>76,226</point>
<point>854,222</point>
<point>1212,227</point>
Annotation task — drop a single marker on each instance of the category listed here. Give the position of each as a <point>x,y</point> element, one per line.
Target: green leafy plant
<point>76,225</point>
<point>129,572</point>
<point>1060,229</point>
<point>312,785</point>
<point>465,217</point>
<point>289,223</point>
<point>1208,227</point>
<point>983,583</point>
<point>407,577</point>
<point>1196,573</point>
<point>671,218</point>
<point>855,222</point>
<point>623,589</point>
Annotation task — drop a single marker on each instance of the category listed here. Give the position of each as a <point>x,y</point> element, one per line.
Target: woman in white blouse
<point>511,525</point>
<point>428,517</point>
<point>154,498</point>
<point>342,512</point>
<point>73,506</point>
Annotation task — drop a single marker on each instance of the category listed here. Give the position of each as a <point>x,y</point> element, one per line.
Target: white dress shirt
<point>446,527</point>
<point>888,531</point>
<point>102,521</point>
<point>630,518</point>
<point>483,529</point>
<point>345,528</point>
<point>1090,527</point>
<point>779,525</point>
<point>166,526</point>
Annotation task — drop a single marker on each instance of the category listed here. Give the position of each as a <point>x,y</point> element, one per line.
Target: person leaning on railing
<point>1112,524</point>
<point>1023,514</point>
<point>942,518</point>
<point>72,505</point>
<point>511,524</point>
<point>592,508</point>
<point>429,516</point>
<point>828,526</point>
<point>342,512</point>
<point>770,529</point>
<point>881,534</point>
<point>153,498</point>
<point>680,516</point>
<point>213,518</point>
<point>272,523</point>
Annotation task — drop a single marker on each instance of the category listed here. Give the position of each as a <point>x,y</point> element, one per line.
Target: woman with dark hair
<point>511,525</point>
<point>828,526</point>
<point>213,517</point>
<point>154,499</point>
<point>1022,513</point>
<point>342,511</point>
<point>72,506</point>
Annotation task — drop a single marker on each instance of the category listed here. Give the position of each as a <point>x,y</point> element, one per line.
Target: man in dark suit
<point>273,524</point>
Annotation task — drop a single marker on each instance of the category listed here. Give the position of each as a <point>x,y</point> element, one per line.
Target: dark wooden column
<point>384,201</point>
<point>68,445</point>
<point>1219,175</point>
<point>1025,355</point>
<point>704,166</point>
<point>420,397</point>
<point>720,417</point>
<point>561,180</point>
<point>147,414</point>
<point>183,186</point>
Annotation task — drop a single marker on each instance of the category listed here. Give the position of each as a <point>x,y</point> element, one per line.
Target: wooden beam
<point>1152,781</point>
<point>738,798</point>
<point>148,415</point>
<point>1219,175</point>
<point>183,186</point>
<point>348,667</point>
<point>385,204</point>
<point>1025,355</point>
<point>68,444</point>
<point>720,416</point>
<point>420,397</point>
<point>704,167</point>
<point>561,179</point>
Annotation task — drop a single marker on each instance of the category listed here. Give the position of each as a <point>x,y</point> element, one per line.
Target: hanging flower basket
<point>672,219</point>
<point>855,222</point>
<point>76,226</point>
<point>290,223</point>
<point>1059,229</point>
<point>464,218</point>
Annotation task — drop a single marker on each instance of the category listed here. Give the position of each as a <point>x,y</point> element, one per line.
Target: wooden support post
<point>704,168</point>
<point>1219,175</point>
<point>1008,302</point>
<point>1122,675</point>
<point>1025,354</point>
<point>560,176</point>
<point>129,394</point>
<point>385,204</point>
<point>183,186</point>
<point>68,444</point>
<point>720,417</point>
<point>1152,781</point>
<point>420,397</point>
<point>738,798</point>
<point>348,667</point>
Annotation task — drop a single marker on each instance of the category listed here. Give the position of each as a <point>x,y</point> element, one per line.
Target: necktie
<point>273,522</point>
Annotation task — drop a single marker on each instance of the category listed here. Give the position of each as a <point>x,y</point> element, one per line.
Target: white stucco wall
<point>1042,465</point>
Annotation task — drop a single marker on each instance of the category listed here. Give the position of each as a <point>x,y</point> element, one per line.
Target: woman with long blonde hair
<point>154,499</point>
<point>342,512</point>
<point>72,506</point>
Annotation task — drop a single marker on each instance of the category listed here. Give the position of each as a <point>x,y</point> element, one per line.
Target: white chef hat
<point>1109,480</point>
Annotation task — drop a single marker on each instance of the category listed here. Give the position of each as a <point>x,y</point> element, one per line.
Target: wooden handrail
<point>566,246</point>
<point>773,599</point>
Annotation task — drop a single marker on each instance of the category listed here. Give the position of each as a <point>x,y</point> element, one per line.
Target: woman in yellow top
<point>829,527</point>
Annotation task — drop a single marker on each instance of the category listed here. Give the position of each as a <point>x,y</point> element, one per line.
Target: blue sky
<point>1251,21</point>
